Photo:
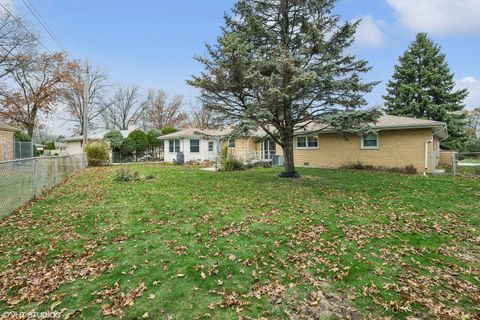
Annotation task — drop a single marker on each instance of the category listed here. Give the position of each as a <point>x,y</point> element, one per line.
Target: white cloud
<point>473,86</point>
<point>369,33</point>
<point>441,17</point>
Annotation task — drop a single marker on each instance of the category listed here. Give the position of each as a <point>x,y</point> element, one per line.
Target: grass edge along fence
<point>24,179</point>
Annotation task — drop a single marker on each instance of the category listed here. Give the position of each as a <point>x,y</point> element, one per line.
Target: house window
<point>312,142</point>
<point>210,146</point>
<point>370,141</point>
<point>194,145</point>
<point>231,143</point>
<point>301,142</point>
<point>174,146</point>
<point>307,142</point>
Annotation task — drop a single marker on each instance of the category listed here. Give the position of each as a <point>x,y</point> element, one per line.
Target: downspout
<point>426,156</point>
<point>247,149</point>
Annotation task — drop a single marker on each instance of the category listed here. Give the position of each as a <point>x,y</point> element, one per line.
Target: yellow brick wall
<point>244,147</point>
<point>6,145</point>
<point>397,148</point>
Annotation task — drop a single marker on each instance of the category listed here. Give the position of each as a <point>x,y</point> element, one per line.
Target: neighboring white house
<point>195,144</point>
<point>74,145</point>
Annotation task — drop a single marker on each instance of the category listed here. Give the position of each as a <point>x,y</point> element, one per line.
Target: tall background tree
<point>282,65</point>
<point>473,123</point>
<point>35,88</point>
<point>125,107</point>
<point>74,94</point>
<point>162,111</point>
<point>473,132</point>
<point>14,39</point>
<point>202,117</point>
<point>423,86</point>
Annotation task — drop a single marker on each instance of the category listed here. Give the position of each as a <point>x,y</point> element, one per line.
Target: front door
<point>268,149</point>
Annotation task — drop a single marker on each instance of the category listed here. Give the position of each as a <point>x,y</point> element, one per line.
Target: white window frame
<point>307,147</point>
<point>175,143</point>
<point>363,147</point>
<point>212,145</point>
<point>198,145</point>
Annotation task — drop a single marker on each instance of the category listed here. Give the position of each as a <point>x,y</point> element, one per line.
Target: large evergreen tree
<point>282,64</point>
<point>423,86</point>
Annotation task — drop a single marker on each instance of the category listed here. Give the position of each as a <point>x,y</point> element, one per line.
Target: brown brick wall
<point>6,145</point>
<point>446,158</point>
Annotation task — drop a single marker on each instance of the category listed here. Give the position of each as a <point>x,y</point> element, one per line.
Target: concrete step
<point>439,171</point>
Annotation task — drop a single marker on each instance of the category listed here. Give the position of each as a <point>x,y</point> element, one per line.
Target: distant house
<point>397,142</point>
<point>195,144</point>
<point>74,145</point>
<point>7,142</point>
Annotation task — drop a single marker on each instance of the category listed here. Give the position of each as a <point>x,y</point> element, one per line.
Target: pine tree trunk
<point>289,164</point>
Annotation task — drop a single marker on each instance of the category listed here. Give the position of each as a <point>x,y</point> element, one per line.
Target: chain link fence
<point>460,163</point>
<point>23,180</point>
<point>23,150</point>
<point>144,156</point>
<point>468,164</point>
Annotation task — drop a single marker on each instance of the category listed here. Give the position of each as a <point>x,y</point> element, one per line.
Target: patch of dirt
<point>320,305</point>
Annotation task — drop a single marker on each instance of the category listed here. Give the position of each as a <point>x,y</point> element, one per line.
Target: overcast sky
<point>151,42</point>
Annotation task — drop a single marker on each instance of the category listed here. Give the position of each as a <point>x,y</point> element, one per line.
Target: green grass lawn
<point>191,244</point>
<point>471,161</point>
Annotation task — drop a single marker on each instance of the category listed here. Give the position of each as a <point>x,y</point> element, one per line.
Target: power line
<point>25,28</point>
<point>44,24</point>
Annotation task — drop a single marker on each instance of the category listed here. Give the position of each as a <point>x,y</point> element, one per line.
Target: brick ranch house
<point>6,142</point>
<point>398,142</point>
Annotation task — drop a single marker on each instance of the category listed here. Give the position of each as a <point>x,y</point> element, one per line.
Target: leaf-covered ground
<point>191,244</point>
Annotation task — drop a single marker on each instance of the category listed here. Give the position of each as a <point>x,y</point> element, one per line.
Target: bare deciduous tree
<point>43,134</point>
<point>125,107</point>
<point>161,111</point>
<point>202,117</point>
<point>473,123</point>
<point>13,39</point>
<point>34,90</point>
<point>74,95</point>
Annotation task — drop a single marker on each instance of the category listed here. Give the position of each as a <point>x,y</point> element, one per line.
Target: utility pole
<point>86,99</point>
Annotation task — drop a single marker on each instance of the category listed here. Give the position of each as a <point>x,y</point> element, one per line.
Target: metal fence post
<point>55,172</point>
<point>454,163</point>
<point>34,179</point>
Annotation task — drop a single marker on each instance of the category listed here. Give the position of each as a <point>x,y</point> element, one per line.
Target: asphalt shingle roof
<point>384,122</point>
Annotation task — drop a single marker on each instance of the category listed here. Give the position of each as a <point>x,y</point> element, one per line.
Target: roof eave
<point>401,127</point>
<point>9,129</point>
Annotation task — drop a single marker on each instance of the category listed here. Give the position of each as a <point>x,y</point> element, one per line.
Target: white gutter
<point>446,131</point>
